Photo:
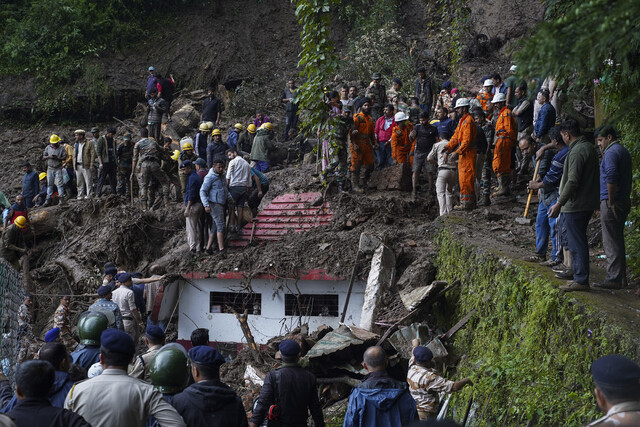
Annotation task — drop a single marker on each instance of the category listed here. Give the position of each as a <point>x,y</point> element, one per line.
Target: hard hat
<point>21,221</point>
<point>238,126</point>
<point>42,176</point>
<point>401,117</point>
<point>187,146</point>
<point>210,125</point>
<point>267,126</point>
<point>169,369</point>
<point>127,136</point>
<point>462,102</point>
<point>176,154</point>
<point>203,127</point>
<point>54,139</point>
<point>499,97</point>
<point>216,132</point>
<point>252,128</point>
<point>513,68</point>
<point>488,82</point>
<point>90,327</point>
<point>94,370</point>
<point>152,69</point>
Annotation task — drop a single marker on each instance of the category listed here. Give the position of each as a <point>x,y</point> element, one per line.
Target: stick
<point>353,276</point>
<point>535,176</point>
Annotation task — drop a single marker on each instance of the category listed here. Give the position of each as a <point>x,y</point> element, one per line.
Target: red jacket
<point>384,135</point>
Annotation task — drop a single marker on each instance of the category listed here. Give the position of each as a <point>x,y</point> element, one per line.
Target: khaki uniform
<point>142,365</point>
<point>115,399</point>
<point>424,386</point>
<point>625,414</point>
<point>61,320</point>
<point>123,296</point>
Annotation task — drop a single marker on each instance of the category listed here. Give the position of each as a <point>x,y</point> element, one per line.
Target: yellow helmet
<point>238,126</point>
<point>187,146</point>
<point>21,221</point>
<point>204,127</point>
<point>54,139</point>
<point>176,154</point>
<point>210,125</point>
<point>216,132</point>
<point>42,176</point>
<point>252,128</point>
<point>267,126</point>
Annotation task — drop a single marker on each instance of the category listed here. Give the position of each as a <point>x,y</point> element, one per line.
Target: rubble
<point>397,177</point>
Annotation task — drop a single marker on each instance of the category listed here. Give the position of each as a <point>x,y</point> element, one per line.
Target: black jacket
<point>33,412</point>
<point>297,395</point>
<point>210,403</point>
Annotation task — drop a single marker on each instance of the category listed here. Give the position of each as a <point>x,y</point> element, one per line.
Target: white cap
<point>488,82</point>
<point>462,102</point>
<point>401,117</point>
<point>513,68</point>
<point>499,97</point>
<point>94,370</point>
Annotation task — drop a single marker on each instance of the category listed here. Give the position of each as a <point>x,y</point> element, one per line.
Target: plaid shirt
<point>424,385</point>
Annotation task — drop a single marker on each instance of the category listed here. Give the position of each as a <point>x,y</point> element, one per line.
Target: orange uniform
<point>401,146</point>
<point>484,97</point>
<point>463,143</point>
<point>505,137</point>
<point>365,125</point>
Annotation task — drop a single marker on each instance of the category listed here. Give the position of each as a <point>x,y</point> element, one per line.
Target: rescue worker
<point>146,153</point>
<point>262,146</point>
<point>217,148</point>
<point>234,134</point>
<point>245,140</point>
<point>169,370</point>
<point>617,391</point>
<point>486,169</point>
<point>292,388</point>
<point>485,95</point>
<point>115,399</point>
<point>30,183</point>
<point>90,327</point>
<point>288,98</point>
<point>187,153</point>
<point>67,164</point>
<point>123,296</point>
<point>54,155</point>
<point>154,340</point>
<point>377,94</point>
<point>462,146</point>
<point>403,145</point>
<point>26,339</point>
<point>201,141</point>
<point>157,108</point>
<point>338,153</point>
<point>362,146</point>
<point>13,245</point>
<point>209,402</point>
<point>106,150</point>
<point>61,319</point>
<point>124,160</point>
<point>84,156</point>
<point>505,138</point>
<point>41,197</point>
<point>238,182</point>
<point>259,187</point>
<point>17,209</point>
<point>425,384</point>
<point>108,308</point>
<point>447,177</point>
<point>98,164</point>
<point>193,206</point>
<point>425,138</point>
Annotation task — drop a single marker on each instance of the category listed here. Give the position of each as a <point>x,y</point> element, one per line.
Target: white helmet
<point>499,97</point>
<point>488,82</point>
<point>94,370</point>
<point>401,117</point>
<point>462,102</point>
<point>513,68</point>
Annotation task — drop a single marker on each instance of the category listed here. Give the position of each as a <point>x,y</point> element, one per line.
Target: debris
<point>437,348</point>
<point>368,243</point>
<point>412,299</point>
<point>418,274</point>
<point>324,246</point>
<point>458,325</point>
<point>402,339</point>
<point>253,376</point>
<point>255,350</point>
<point>380,275</point>
<point>340,339</point>
<point>523,220</point>
<point>412,243</point>
<point>397,177</point>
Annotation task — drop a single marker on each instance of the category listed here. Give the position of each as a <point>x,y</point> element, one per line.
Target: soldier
<point>108,308</point>
<point>90,327</point>
<point>338,153</point>
<point>378,95</point>
<point>26,339</point>
<point>617,381</point>
<point>146,152</point>
<point>157,107</point>
<point>125,158</point>
<point>154,340</point>
<point>115,399</point>
<point>61,320</point>
<point>106,149</point>
<point>485,180</point>
<point>169,372</point>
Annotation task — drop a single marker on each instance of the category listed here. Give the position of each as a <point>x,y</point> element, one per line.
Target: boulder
<point>397,177</point>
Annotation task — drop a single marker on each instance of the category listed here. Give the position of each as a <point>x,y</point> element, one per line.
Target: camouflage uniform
<point>487,171</point>
<point>61,320</point>
<point>338,151</point>
<point>26,339</point>
<point>424,385</point>
<point>379,100</point>
<point>620,415</point>
<point>125,157</point>
<point>146,153</point>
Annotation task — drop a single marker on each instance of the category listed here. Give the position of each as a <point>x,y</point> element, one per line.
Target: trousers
<point>383,155</point>
<point>54,176</point>
<point>84,179</point>
<point>148,171</point>
<point>545,230</point>
<point>445,183</point>
<point>575,225</point>
<point>108,171</point>
<point>502,156</point>
<point>613,241</point>
<point>194,226</point>
<point>467,176</point>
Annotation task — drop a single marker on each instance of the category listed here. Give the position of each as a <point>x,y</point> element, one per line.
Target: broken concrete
<point>380,278</point>
<point>368,243</point>
<point>420,273</point>
<point>412,299</point>
<point>397,177</point>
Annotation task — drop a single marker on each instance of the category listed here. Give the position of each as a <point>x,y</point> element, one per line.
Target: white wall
<point>224,327</point>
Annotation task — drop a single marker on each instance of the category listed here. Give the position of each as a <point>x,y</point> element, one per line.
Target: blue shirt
<point>552,178</point>
<point>232,141</point>
<point>263,179</point>
<point>30,185</point>
<point>192,193</point>
<point>615,168</point>
<point>85,355</point>
<point>447,126</point>
<point>546,120</point>
<point>214,189</point>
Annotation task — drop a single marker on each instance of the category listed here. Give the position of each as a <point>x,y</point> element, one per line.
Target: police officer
<point>154,339</point>
<point>617,381</point>
<point>293,388</point>
<point>107,307</point>
<point>90,327</point>
<point>209,402</point>
<point>115,399</point>
<point>147,154</point>
<point>169,370</point>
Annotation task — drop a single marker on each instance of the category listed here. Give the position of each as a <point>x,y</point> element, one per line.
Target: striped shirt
<point>424,385</point>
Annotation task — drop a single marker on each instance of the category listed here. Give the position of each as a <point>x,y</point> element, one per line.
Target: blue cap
<point>104,290</point>
<point>136,275</point>
<point>152,69</point>
<point>289,348</point>
<point>123,277</point>
<point>52,335</point>
<point>117,341</point>
<point>616,371</point>
<point>154,332</point>
<point>110,270</point>
<point>422,354</point>
<point>200,162</point>
<point>186,163</point>
<point>206,356</point>
<point>446,84</point>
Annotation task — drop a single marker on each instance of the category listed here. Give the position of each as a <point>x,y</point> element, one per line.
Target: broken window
<point>310,305</point>
<point>228,302</point>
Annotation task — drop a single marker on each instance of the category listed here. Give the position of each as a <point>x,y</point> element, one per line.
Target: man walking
<point>54,154</point>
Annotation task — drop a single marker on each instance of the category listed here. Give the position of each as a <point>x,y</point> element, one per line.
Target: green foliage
<point>528,348</point>
<point>453,23</point>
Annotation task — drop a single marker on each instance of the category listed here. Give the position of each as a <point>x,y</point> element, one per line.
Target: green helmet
<point>90,327</point>
<point>169,369</point>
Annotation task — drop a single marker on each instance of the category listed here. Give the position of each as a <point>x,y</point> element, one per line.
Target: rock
<point>183,122</point>
<point>420,273</point>
<point>396,177</point>
<point>382,269</point>
<point>368,243</point>
<point>309,158</point>
<point>412,243</point>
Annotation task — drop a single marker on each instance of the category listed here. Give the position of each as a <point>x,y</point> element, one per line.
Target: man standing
<point>577,200</point>
<point>214,195</point>
<point>123,296</point>
<point>151,290</point>
<point>402,143</point>
<point>245,140</point>
<point>193,207</point>
<point>84,156</point>
<point>485,95</point>
<point>54,154</point>
<point>154,340</point>
<point>25,331</point>
<point>511,84</point>
<point>238,182</point>
<point>505,137</point>
<point>486,172</point>
<point>425,136</point>
<point>292,388</point>
<point>146,152</point>
<point>152,82</point>
<point>211,108</point>
<point>260,119</point>
<point>262,145</point>
<point>108,308</point>
<point>70,186</point>
<point>125,159</point>
<point>157,107</point>
<point>115,399</point>
<point>216,148</point>
<point>90,327</point>
<point>61,320</point>
<point>498,85</point>
<point>209,402</point>
<point>443,123</point>
<point>546,118</point>
<point>377,93</point>
<point>167,85</point>
<point>234,134</point>
<point>362,146</point>
<point>30,184</point>
<point>425,91</point>
<point>106,150</point>
<point>523,111</point>
<point>379,400</point>
<point>289,100</point>
<point>447,176</point>
<point>383,130</point>
<point>462,145</point>
<point>615,204</point>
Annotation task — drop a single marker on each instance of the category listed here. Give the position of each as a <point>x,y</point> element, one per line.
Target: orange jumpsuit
<point>463,143</point>
<point>505,137</point>
<point>400,144</point>
<point>484,97</point>
<point>365,125</point>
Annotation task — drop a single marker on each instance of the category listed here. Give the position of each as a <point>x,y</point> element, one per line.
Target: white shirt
<point>239,173</point>
<point>123,296</point>
<point>437,152</point>
<point>387,122</point>
<point>80,150</point>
